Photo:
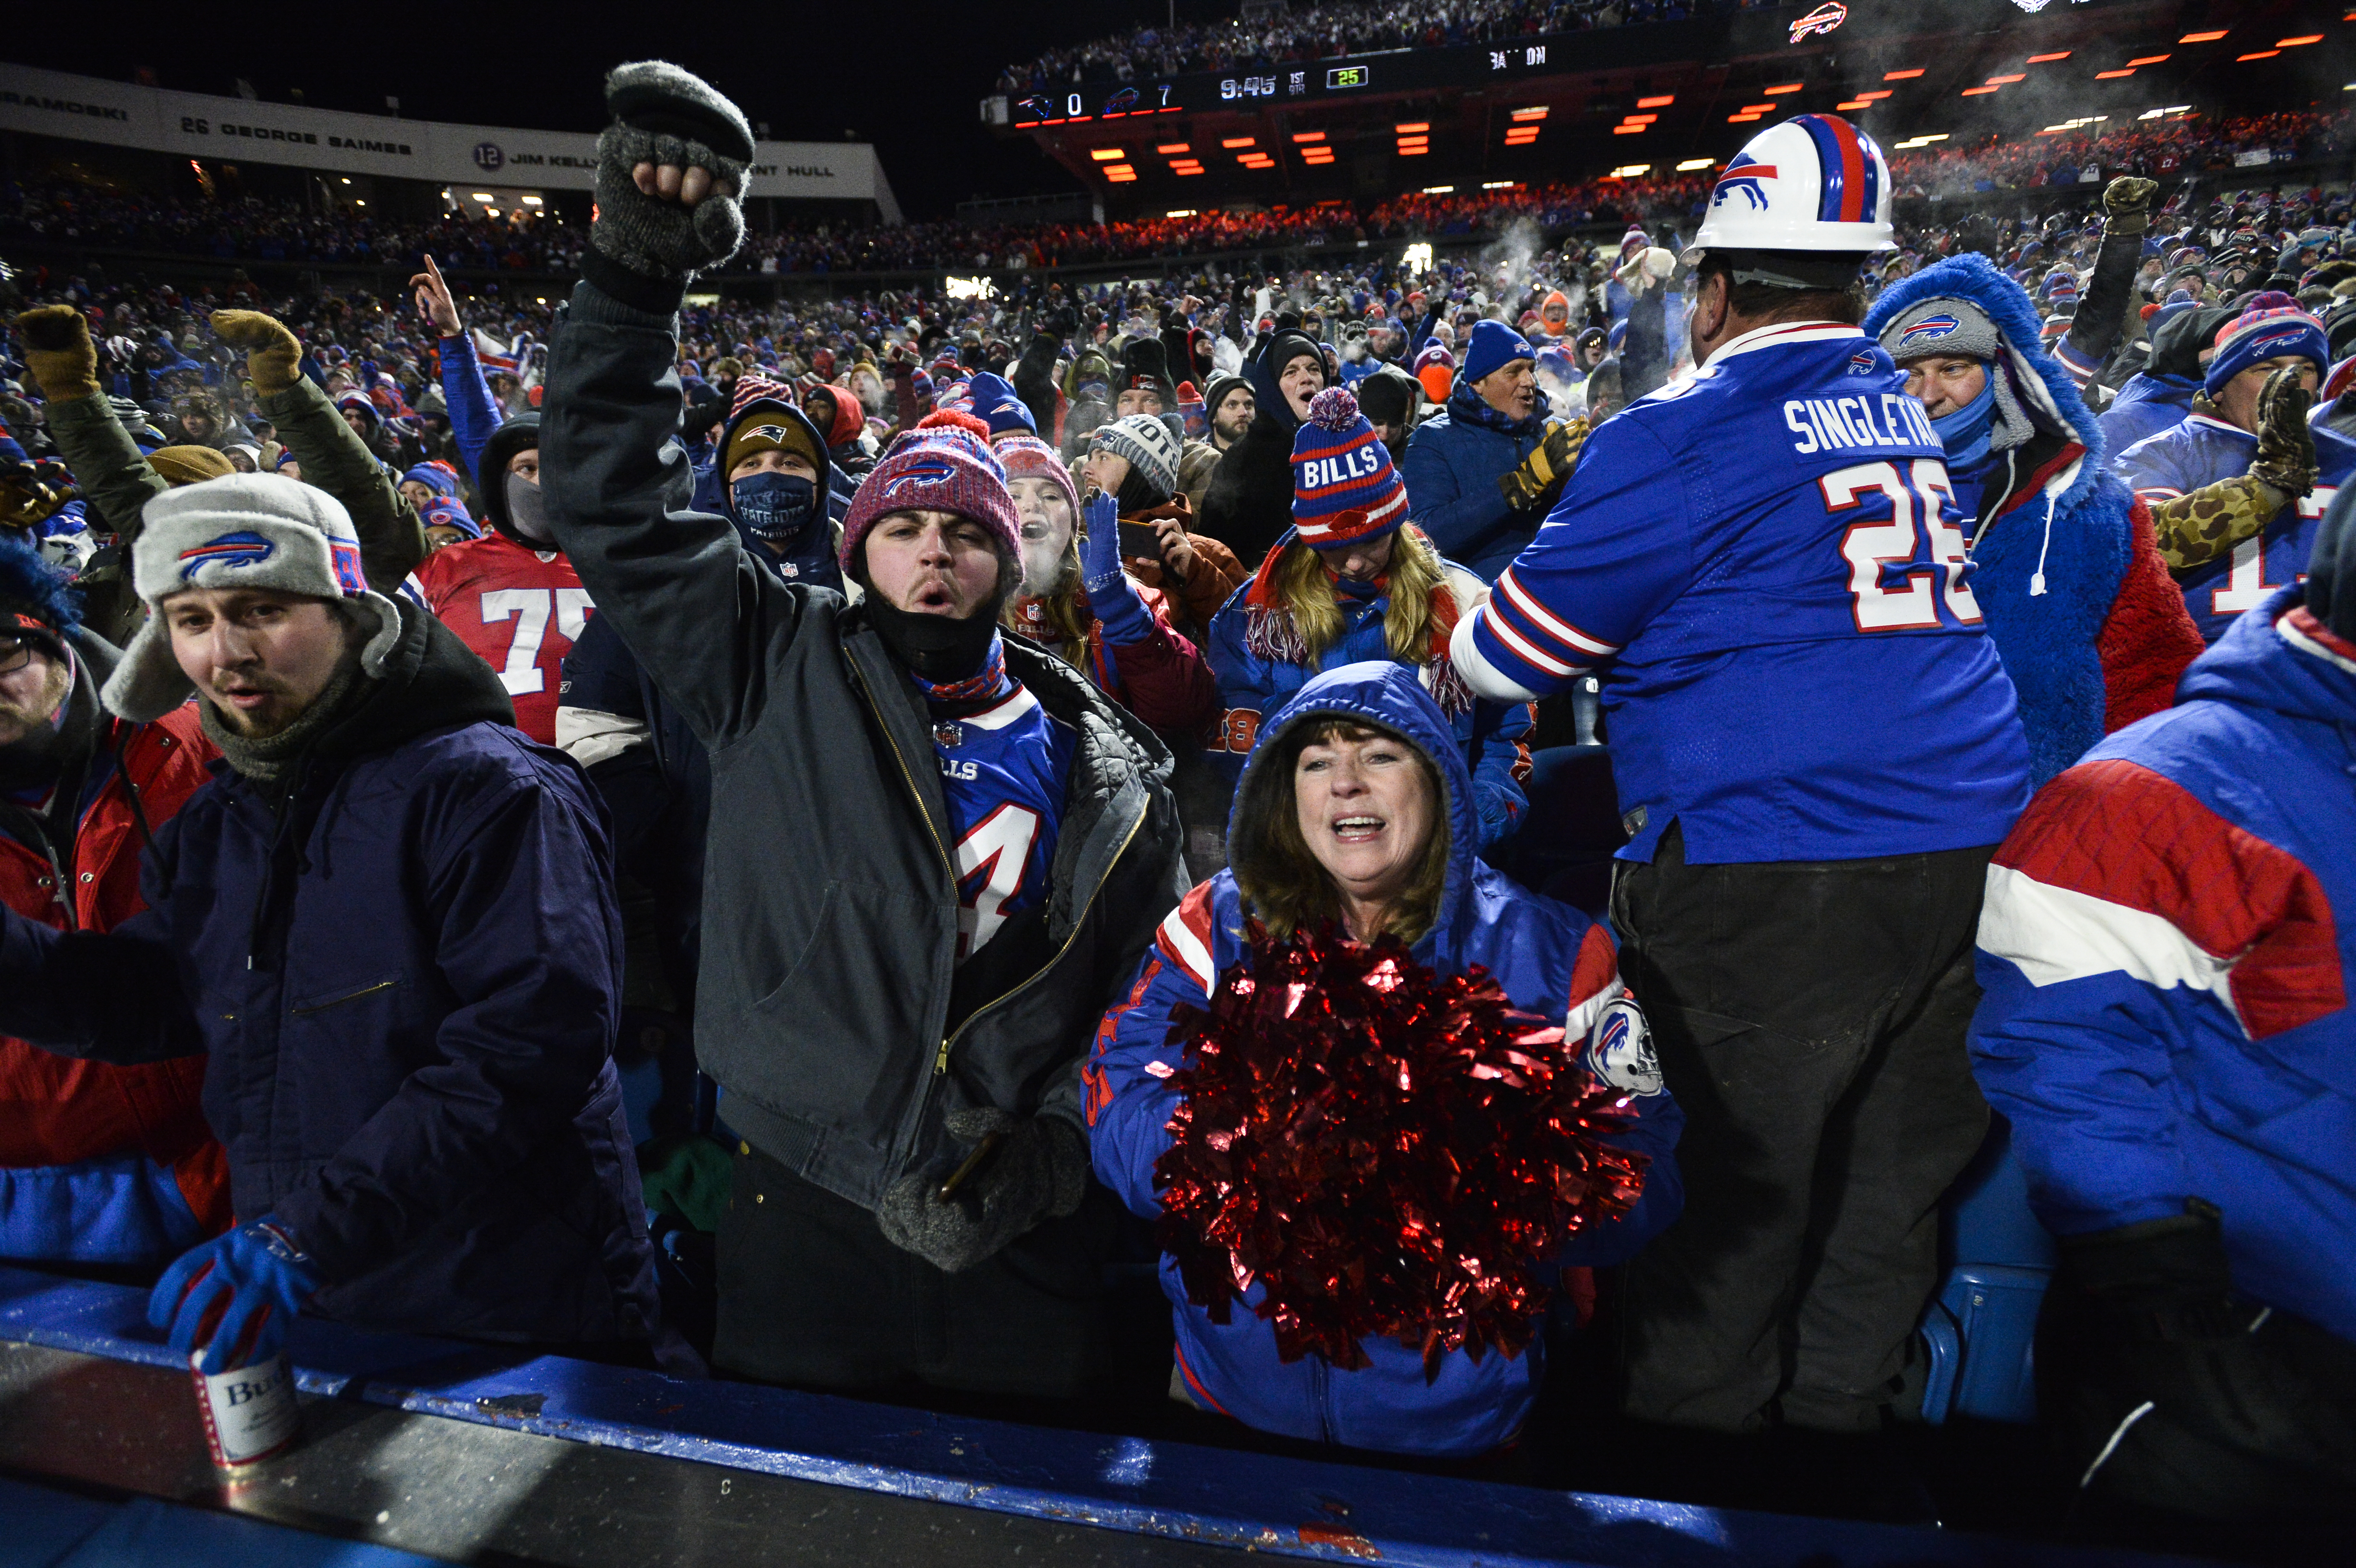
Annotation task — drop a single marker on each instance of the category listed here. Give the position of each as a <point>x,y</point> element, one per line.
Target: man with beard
<point>97,1164</point>
<point>423,1128</point>
<point>977,843</point>
<point>1228,402</point>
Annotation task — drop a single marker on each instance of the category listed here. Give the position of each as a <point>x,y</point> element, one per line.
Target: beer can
<point>249,1411</point>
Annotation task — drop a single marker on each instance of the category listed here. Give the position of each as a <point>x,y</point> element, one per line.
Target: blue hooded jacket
<point>1550,959</point>
<point>2166,1010</point>
<point>1451,470</point>
<point>2046,568</point>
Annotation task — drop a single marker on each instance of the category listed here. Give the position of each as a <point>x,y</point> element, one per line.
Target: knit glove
<point>273,356</point>
<point>57,348</point>
<point>2127,206</point>
<point>2285,457</point>
<point>1533,486</point>
<point>665,115</point>
<point>1113,597</point>
<point>1040,1170</point>
<point>256,1277</point>
<point>33,491</point>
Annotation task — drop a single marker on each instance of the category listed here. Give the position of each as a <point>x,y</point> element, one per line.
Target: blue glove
<point>1111,595</point>
<point>255,1272</point>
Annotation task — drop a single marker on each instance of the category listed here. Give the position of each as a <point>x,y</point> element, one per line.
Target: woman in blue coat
<point>1348,583</point>
<point>1364,770</point>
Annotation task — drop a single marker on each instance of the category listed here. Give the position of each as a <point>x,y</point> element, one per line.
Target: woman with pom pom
<point>1349,582</point>
<point>1369,1163</point>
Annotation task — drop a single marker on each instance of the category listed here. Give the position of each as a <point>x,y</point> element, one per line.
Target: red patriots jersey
<point>519,608</point>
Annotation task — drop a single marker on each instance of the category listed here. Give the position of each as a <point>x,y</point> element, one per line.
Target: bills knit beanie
<point>1491,347</point>
<point>1344,489</point>
<point>1027,457</point>
<point>944,465</point>
<point>2269,327</point>
<point>246,530</point>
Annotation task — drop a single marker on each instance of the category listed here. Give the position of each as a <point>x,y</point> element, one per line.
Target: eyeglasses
<point>15,655</point>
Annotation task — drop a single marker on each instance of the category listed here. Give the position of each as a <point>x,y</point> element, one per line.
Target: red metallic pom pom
<point>1385,1150</point>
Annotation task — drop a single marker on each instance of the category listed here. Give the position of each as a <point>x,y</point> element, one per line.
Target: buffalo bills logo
<point>237,549</point>
<point>923,472</point>
<point>1861,364</point>
<point>1743,174</point>
<point>1620,1050</point>
<point>1929,329</point>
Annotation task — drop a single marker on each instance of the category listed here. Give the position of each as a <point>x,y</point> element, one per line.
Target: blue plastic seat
<point>1980,1333</point>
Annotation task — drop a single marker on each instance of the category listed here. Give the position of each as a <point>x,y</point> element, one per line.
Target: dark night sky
<point>907,76</point>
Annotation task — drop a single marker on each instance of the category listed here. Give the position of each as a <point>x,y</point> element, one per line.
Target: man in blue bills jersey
<point>1817,750</point>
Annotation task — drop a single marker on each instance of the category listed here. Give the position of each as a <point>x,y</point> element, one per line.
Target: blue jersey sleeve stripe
<point>1508,660</point>
<point>1542,625</point>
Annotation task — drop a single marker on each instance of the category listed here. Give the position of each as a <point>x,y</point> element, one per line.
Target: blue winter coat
<point>2166,1010</point>
<point>409,978</point>
<point>474,412</point>
<point>1550,959</point>
<point>2146,405</point>
<point>1452,465</point>
<point>1491,738</point>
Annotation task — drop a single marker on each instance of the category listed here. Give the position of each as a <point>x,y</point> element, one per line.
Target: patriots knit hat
<point>769,423</point>
<point>999,406</point>
<point>1344,490</point>
<point>944,465</point>
<point>1146,441</point>
<point>2271,326</point>
<point>1492,347</point>
<point>1027,457</point>
<point>247,530</point>
<point>1947,326</point>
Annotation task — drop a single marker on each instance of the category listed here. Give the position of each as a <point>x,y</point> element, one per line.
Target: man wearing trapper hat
<point>1817,750</point>
<point>424,1129</point>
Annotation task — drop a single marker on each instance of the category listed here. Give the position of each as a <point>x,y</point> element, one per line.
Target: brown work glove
<point>57,348</point>
<point>32,492</point>
<point>2127,206</point>
<point>1534,484</point>
<point>274,358</point>
<point>2285,457</point>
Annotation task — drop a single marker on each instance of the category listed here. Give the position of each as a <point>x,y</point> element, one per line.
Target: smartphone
<point>1140,540</point>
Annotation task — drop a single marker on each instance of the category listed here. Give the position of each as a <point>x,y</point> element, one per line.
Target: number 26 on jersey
<point>1919,545</point>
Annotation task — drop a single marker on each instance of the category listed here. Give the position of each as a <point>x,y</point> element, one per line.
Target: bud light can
<point>249,1411</point>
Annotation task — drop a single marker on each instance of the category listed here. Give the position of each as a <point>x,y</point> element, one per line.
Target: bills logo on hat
<point>1929,329</point>
<point>923,474</point>
<point>232,551</point>
<point>2285,341</point>
<point>1743,174</point>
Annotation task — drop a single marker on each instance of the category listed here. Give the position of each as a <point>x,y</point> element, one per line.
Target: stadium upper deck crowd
<point>1223,618</point>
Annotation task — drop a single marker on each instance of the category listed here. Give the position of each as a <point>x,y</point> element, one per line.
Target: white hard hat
<point>1814,183</point>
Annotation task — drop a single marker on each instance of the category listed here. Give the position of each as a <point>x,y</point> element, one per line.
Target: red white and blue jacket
<point>1550,958</point>
<point>1769,560</point>
<point>2201,451</point>
<point>2166,974</point>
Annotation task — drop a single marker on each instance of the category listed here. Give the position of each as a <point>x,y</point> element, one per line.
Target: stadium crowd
<point>938,721</point>
<point>1322,32</point>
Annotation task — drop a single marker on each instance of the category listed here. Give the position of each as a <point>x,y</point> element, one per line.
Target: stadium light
<point>1416,258</point>
<point>1120,174</point>
<point>2005,80</point>
<point>1638,119</point>
<point>533,201</point>
<point>1853,104</point>
<point>1662,101</point>
<point>1232,142</point>
<point>2260,55</point>
<point>1922,141</point>
<point>1439,190</point>
<point>1628,170</point>
<point>482,195</point>
<point>1756,109</point>
<point>1301,136</point>
<point>1742,119</point>
<point>975,288</point>
<point>2148,59</point>
<point>2113,75</point>
<point>1521,137</point>
<point>2201,37</point>
<point>348,179</point>
<point>1902,75</point>
<point>1491,185</point>
<point>1692,163</point>
<point>1167,148</point>
<point>2048,60</point>
<point>1876,96</point>
<point>1779,91</point>
<point>2304,38</point>
<point>1977,91</point>
<point>1179,212</point>
<point>1629,130</point>
<point>1106,154</point>
<point>1411,129</point>
<point>1537,113</point>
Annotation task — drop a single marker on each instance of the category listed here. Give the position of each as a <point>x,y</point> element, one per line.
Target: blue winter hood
<point>2051,396</point>
<point>2267,659</point>
<point>1388,696</point>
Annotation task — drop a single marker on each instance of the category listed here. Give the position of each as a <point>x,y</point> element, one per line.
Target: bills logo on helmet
<point>927,471</point>
<point>229,549</point>
<point>1743,174</point>
<point>1929,329</point>
<point>1620,1050</point>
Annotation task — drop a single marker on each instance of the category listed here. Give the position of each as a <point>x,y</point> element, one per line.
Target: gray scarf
<point>266,759</point>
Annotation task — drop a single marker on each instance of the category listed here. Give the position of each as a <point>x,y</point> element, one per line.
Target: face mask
<point>528,510</point>
<point>1966,432</point>
<point>775,507</point>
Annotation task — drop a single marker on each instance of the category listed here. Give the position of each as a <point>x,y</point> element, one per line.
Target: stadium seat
<point>1980,1332</point>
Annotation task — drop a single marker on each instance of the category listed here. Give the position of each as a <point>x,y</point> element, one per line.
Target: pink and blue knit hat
<point>2272,327</point>
<point>944,465</point>
<point>1344,490</point>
